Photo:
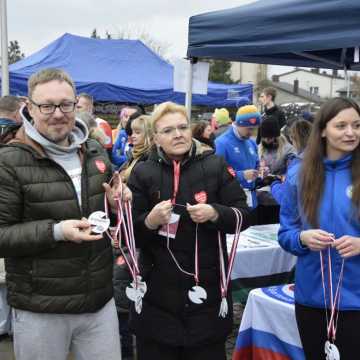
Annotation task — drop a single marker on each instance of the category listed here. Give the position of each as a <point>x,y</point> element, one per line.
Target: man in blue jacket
<point>240,151</point>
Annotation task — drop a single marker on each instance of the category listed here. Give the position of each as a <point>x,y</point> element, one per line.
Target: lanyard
<point>332,321</point>
<point>126,225</point>
<point>225,277</point>
<point>176,165</point>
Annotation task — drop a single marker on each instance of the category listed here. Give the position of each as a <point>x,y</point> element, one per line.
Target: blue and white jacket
<point>336,215</point>
<point>241,154</point>
<point>119,157</point>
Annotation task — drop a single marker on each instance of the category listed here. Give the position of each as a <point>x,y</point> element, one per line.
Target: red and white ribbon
<point>332,320</point>
<point>124,225</point>
<point>225,277</point>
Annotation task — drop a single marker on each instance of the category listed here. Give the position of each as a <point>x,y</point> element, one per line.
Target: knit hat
<point>222,116</point>
<point>269,129</point>
<point>248,115</point>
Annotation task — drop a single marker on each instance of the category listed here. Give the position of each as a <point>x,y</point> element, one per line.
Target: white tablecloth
<point>268,327</point>
<point>259,253</point>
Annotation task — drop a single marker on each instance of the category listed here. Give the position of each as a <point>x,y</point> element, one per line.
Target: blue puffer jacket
<point>337,215</point>
<point>240,154</point>
<point>119,157</point>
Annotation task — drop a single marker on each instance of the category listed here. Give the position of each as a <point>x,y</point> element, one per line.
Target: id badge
<point>173,226</point>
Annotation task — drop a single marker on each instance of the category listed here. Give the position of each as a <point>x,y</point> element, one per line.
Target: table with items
<point>260,261</point>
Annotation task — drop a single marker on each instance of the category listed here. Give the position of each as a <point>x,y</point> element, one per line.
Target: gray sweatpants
<point>90,336</point>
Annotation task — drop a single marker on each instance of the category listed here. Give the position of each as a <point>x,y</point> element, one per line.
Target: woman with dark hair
<point>203,132</point>
<point>320,224</point>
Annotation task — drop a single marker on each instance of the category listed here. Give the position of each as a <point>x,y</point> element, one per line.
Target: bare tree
<point>135,33</point>
<point>161,48</point>
<point>14,52</point>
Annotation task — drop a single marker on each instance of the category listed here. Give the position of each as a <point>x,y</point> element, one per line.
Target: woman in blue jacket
<point>299,135</point>
<point>320,219</point>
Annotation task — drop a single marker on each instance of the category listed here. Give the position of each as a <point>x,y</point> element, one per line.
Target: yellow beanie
<point>222,116</point>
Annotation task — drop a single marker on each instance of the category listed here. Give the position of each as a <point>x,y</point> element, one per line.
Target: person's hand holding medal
<point>116,190</point>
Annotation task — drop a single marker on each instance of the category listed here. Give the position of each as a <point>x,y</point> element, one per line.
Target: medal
<point>137,289</point>
<point>197,294</point>
<point>135,292</point>
<point>331,351</point>
<point>99,222</point>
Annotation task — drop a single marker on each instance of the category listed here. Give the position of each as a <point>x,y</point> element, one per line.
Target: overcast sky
<point>36,23</point>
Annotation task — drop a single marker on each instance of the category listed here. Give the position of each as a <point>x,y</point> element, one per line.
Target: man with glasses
<point>59,273</point>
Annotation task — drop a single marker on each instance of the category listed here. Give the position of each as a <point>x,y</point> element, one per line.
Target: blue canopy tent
<point>321,33</point>
<point>118,71</point>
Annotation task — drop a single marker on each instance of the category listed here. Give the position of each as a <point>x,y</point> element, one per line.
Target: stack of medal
<point>331,350</point>
<point>225,277</point>
<point>137,289</point>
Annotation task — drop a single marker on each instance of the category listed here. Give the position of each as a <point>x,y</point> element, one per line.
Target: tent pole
<point>347,82</point>
<point>188,95</point>
<point>4,50</point>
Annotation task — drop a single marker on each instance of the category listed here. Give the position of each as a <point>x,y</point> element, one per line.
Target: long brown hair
<point>313,172</point>
<point>299,134</point>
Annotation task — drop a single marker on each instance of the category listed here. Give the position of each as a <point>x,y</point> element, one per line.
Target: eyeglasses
<point>47,109</point>
<point>171,130</point>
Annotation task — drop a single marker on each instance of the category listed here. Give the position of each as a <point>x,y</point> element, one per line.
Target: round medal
<point>197,294</point>
<point>99,222</point>
<point>331,351</point>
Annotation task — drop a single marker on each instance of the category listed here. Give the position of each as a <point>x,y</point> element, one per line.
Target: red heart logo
<point>201,197</point>
<point>120,260</point>
<point>231,171</point>
<point>100,165</point>
<point>252,121</point>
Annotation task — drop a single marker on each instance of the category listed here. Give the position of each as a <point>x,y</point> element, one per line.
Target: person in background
<point>274,151</point>
<point>121,146</point>
<point>10,118</point>
<point>171,326</point>
<point>240,151</point>
<point>299,135</point>
<point>222,120</point>
<point>86,103</point>
<point>142,141</point>
<point>267,100</point>
<point>94,132</point>
<point>320,216</point>
<point>203,132</point>
<point>59,273</point>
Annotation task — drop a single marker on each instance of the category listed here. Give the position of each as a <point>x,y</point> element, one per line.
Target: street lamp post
<point>4,50</point>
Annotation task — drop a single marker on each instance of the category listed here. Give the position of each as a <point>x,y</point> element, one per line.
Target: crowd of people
<point>189,184</point>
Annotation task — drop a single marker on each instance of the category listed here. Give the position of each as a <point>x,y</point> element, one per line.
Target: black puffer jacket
<point>35,193</point>
<point>168,316</point>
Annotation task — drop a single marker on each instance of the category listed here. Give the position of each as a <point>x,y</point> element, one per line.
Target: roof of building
<point>310,72</point>
<point>289,88</point>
